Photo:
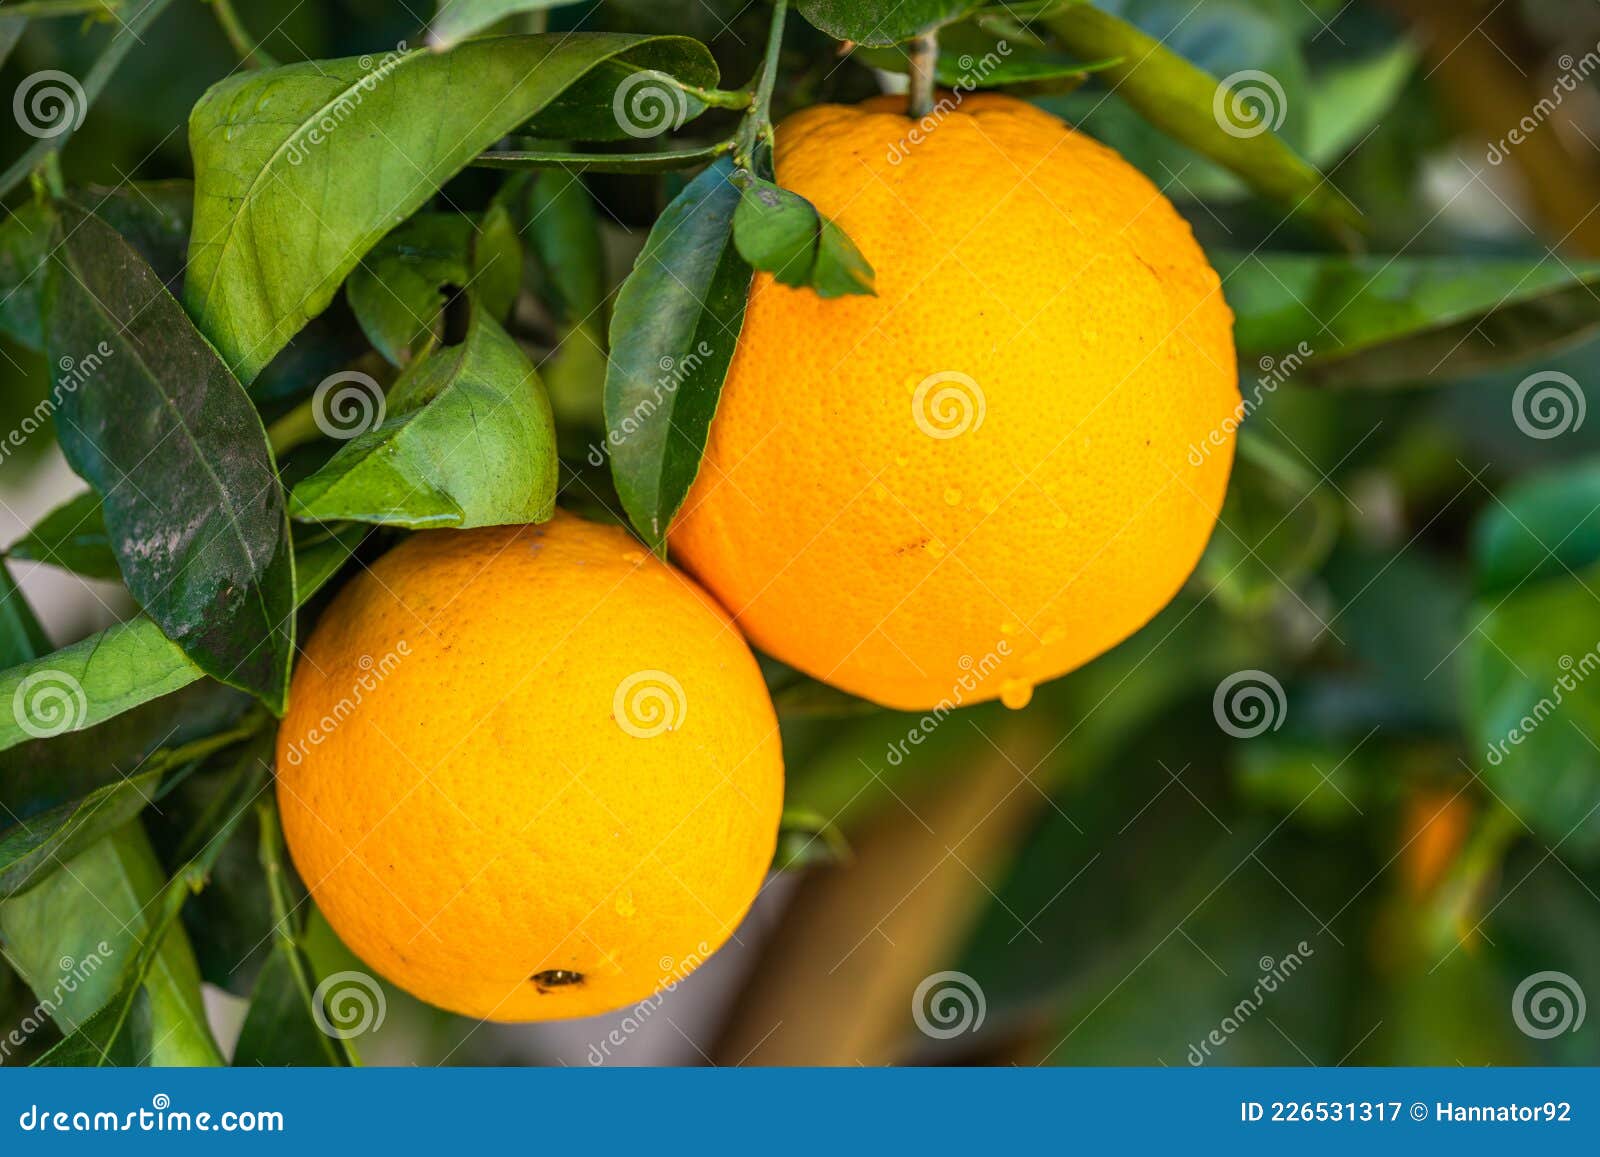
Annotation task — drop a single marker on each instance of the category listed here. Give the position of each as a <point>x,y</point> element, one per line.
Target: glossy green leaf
<point>455,20</point>
<point>95,937</point>
<point>367,146</point>
<point>880,22</point>
<point>151,418</point>
<point>119,668</point>
<point>399,291</point>
<point>1544,527</point>
<point>51,101</point>
<point>32,849</point>
<point>673,329</point>
<point>72,536</point>
<point>468,441</point>
<point>1532,678</point>
<point>1222,122</point>
<point>1383,320</point>
<point>781,233</point>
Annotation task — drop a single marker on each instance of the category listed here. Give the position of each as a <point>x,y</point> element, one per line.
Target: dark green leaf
<point>1541,528</point>
<point>1221,121</point>
<point>56,108</point>
<point>120,667</point>
<point>972,57</point>
<point>72,536</point>
<point>556,215</point>
<point>880,22</point>
<point>155,423</point>
<point>1532,662</point>
<point>32,849</point>
<point>456,20</point>
<point>468,441</point>
<point>367,146</point>
<point>97,936</point>
<point>399,291</point>
<point>21,636</point>
<point>1382,320</point>
<point>673,329</point>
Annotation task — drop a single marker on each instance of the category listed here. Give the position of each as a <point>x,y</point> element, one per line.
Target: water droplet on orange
<point>952,497</point>
<point>1016,693</point>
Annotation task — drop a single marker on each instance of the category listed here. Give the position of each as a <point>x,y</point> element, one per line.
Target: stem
<point>249,51</point>
<point>924,58</point>
<point>717,97</point>
<point>43,9</point>
<point>757,127</point>
<point>295,428</point>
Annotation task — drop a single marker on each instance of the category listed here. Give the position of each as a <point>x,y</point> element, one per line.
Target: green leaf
<point>673,329</point>
<point>1199,111</point>
<point>456,20</point>
<point>1532,662</point>
<point>881,22</point>
<point>32,849</point>
<point>151,418</point>
<point>95,937</point>
<point>398,292</point>
<point>973,57</point>
<point>1349,98</point>
<point>72,536</point>
<point>21,636</point>
<point>1541,528</point>
<point>367,147</point>
<point>658,162</point>
<point>1381,320</point>
<point>72,101</point>
<point>1277,526</point>
<point>121,667</point>
<point>556,214</point>
<point>284,1025</point>
<point>781,233</point>
<point>468,441</point>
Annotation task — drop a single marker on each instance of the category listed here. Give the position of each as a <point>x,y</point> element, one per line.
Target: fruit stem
<point>251,54</point>
<point>757,127</point>
<point>924,56</point>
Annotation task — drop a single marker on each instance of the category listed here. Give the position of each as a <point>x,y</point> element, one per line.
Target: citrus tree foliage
<point>279,304</point>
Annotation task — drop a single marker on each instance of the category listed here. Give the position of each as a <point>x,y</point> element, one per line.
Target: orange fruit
<point>1004,463</point>
<point>529,772</point>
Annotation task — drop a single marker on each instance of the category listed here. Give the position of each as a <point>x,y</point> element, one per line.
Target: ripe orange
<point>529,772</point>
<point>1009,459</point>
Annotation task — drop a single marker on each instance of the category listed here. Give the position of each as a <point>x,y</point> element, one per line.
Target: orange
<point>1009,459</point>
<point>529,772</point>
